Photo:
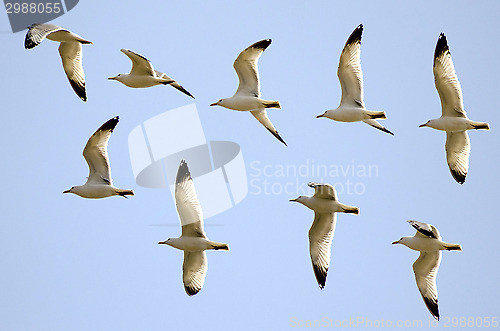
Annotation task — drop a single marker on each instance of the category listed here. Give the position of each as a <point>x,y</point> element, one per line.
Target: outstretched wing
<point>140,65</point>
<point>446,80</point>
<point>457,154</point>
<point>194,270</point>
<point>247,69</point>
<point>349,70</point>
<point>425,230</point>
<point>323,191</point>
<point>37,33</point>
<point>187,203</point>
<point>96,153</point>
<point>425,269</point>
<point>320,243</point>
<point>261,116</point>
<point>71,56</point>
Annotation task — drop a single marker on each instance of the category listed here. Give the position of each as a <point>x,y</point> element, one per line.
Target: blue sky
<point>71,263</point>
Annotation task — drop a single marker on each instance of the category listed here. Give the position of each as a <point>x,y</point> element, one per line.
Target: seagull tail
<point>218,246</point>
<point>452,247</point>
<point>124,193</point>
<point>481,125</point>
<point>350,210</point>
<point>272,104</point>
<point>376,115</point>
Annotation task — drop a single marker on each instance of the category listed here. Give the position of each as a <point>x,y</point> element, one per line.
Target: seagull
<point>352,108</point>
<point>247,96</point>
<point>70,51</point>
<point>428,241</point>
<point>193,240</point>
<point>325,205</point>
<point>99,183</point>
<point>453,119</point>
<point>144,75</point>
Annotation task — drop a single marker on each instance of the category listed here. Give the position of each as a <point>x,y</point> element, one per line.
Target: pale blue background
<point>67,263</point>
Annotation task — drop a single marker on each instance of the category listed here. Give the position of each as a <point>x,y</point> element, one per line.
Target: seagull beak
<point>293,200</point>
<point>67,191</point>
<point>162,243</point>
<point>213,104</point>
<point>395,242</point>
<point>422,125</point>
<point>112,78</point>
<point>322,115</point>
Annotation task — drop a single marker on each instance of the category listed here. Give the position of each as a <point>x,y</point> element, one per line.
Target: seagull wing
<point>320,243</point>
<point>425,269</point>
<point>174,84</point>
<point>96,153</point>
<point>324,191</point>
<point>349,71</point>
<point>457,154</point>
<point>446,81</point>
<point>194,270</point>
<point>377,125</point>
<point>187,203</point>
<point>71,55</point>
<point>425,230</point>
<point>261,116</point>
<point>247,69</point>
<point>140,65</point>
<point>37,33</point>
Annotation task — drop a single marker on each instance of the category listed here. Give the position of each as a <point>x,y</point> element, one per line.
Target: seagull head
<point>166,242</point>
<point>402,241</point>
<point>218,103</point>
<point>298,199</point>
<point>425,124</point>
<point>322,115</point>
<point>117,77</point>
<point>71,190</point>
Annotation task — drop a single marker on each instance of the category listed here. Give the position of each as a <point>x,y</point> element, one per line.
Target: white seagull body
<point>99,183</point>
<point>247,96</point>
<point>325,205</point>
<point>70,51</point>
<point>143,74</point>
<point>352,107</point>
<point>193,240</point>
<point>428,241</point>
<point>453,119</point>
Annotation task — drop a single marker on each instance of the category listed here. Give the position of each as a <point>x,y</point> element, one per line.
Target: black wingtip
<point>110,124</point>
<point>320,274</point>
<point>182,172</point>
<point>432,306</point>
<point>441,46</point>
<point>355,36</point>
<point>79,89</point>
<point>191,290</point>
<point>263,44</point>
<point>459,177</point>
<point>276,134</point>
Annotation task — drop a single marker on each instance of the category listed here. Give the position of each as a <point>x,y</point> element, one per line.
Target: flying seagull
<point>193,240</point>
<point>70,50</point>
<point>99,183</point>
<point>352,107</point>
<point>428,241</point>
<point>144,75</point>
<point>453,119</point>
<point>247,96</point>
<point>325,205</point>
